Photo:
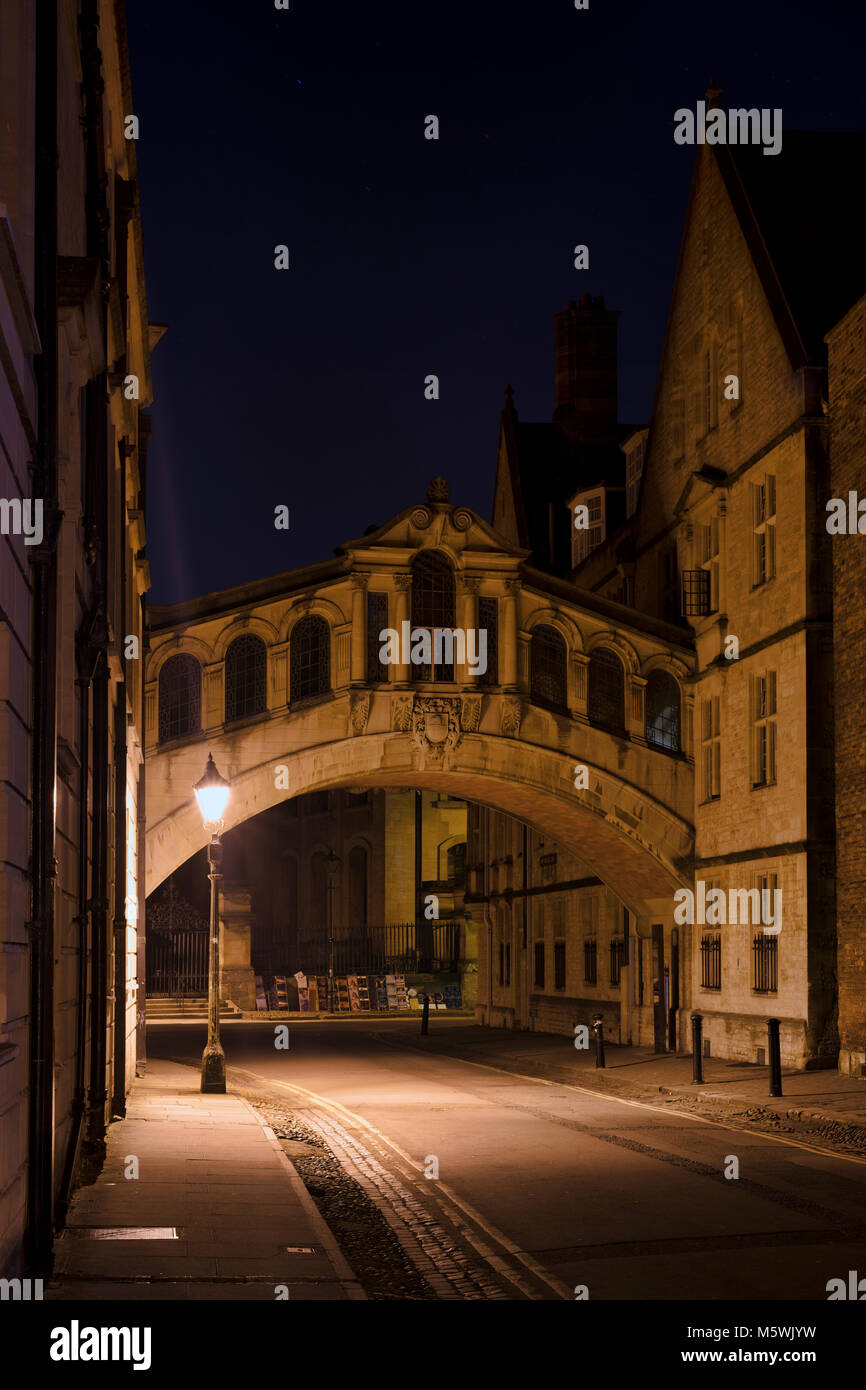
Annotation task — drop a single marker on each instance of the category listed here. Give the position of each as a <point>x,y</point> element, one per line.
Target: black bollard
<point>697,1050</point>
<point>775,1051</point>
<point>598,1025</point>
<point>425,1016</point>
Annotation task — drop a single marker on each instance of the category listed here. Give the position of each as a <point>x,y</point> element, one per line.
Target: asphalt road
<point>573,1188</point>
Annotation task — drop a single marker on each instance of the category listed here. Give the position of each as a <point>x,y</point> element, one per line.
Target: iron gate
<point>177,962</point>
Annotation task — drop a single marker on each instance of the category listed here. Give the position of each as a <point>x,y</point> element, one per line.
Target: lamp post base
<point>213,1070</point>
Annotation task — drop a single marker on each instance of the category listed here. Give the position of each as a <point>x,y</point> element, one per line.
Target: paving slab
<point>215,1174</point>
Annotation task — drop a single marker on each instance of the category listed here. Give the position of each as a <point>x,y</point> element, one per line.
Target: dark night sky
<point>411,256</point>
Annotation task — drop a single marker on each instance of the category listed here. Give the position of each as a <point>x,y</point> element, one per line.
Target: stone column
<point>578,684</point>
<point>359,627</point>
<point>237,981</point>
<point>467,619</point>
<point>635,717</point>
<point>213,696</point>
<point>403,583</point>
<point>508,635</point>
<point>151,715</point>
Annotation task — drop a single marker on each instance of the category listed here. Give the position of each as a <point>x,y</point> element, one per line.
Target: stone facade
<point>74,320</point>
<point>728,537</point>
<point>847,413</point>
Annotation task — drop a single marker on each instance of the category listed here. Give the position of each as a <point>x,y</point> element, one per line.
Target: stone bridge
<point>580,725</point>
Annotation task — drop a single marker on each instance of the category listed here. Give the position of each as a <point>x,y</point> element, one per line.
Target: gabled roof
<point>545,469</point>
<point>799,211</point>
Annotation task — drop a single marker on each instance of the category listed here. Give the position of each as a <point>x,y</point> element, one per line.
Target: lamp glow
<point>212,794</point>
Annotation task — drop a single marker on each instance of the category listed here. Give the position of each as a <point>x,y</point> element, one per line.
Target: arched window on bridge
<point>246,664</point>
<point>663,711</point>
<point>547,666</point>
<point>310,658</point>
<point>605,703</point>
<point>179,697</point>
<point>433,606</point>
<point>358,887</point>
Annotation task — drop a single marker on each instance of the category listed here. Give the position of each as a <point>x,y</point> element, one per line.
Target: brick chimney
<point>585,365</point>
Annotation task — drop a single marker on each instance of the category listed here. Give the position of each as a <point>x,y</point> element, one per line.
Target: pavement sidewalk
<point>217,1210</point>
<point>823,1095</point>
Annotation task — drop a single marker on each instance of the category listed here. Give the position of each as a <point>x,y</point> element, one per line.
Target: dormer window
<point>590,523</point>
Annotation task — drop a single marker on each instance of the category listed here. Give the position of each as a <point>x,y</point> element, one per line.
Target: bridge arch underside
<point>629,840</point>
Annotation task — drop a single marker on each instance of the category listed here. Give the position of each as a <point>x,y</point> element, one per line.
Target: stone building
<point>716,522</point>
<point>75,378</point>
<point>846,345</point>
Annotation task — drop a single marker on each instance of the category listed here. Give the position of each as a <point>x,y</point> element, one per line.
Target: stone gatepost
<point>237,981</point>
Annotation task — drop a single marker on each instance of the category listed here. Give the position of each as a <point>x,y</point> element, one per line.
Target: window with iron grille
<point>764,523</point>
<point>538,973</point>
<point>711,962</point>
<point>310,658</point>
<point>246,668</point>
<point>617,959</point>
<point>695,593</point>
<point>547,666</point>
<point>765,964</point>
<point>377,623</point>
<point>559,965</point>
<point>605,703</point>
<point>590,962</point>
<point>433,606</point>
<point>662,706</point>
<point>711,748</point>
<point>488,621</point>
<point>764,729</point>
<point>179,697</point>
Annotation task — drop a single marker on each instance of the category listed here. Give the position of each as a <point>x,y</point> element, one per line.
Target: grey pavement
<point>216,1211</point>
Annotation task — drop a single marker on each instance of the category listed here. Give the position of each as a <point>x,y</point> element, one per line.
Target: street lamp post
<point>212,794</point>
<point>332,864</point>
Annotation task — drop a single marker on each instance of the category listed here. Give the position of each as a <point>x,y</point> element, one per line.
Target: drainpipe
<point>82,923</point>
<point>118,1100</point>
<point>40,1189</point>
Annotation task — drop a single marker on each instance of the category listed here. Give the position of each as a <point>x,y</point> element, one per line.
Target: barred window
<point>538,974</point>
<point>559,965</point>
<point>547,664</point>
<point>590,962</point>
<point>246,666</point>
<point>606,690</point>
<point>433,606</point>
<point>310,658</point>
<point>765,964</point>
<point>663,711</point>
<point>617,959</point>
<point>711,962</point>
<point>377,622</point>
<point>488,621</point>
<point>179,697</point>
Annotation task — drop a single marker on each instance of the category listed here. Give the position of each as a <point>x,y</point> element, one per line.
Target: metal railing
<point>404,948</point>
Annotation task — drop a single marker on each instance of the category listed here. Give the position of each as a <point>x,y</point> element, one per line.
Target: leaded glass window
<point>547,663</point>
<point>246,666</point>
<point>179,697</point>
<point>606,690</point>
<point>310,658</point>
